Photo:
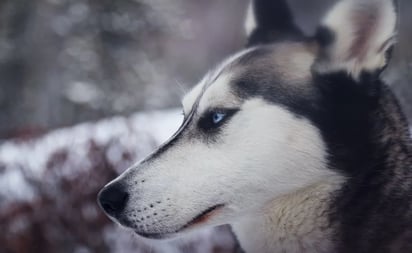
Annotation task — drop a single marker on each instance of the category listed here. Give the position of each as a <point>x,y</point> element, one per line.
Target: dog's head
<point>254,127</point>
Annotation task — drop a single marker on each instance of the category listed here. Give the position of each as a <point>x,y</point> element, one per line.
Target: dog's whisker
<point>181,87</point>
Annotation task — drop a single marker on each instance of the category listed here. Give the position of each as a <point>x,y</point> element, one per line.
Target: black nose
<point>113,198</point>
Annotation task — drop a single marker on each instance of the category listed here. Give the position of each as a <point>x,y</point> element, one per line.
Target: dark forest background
<point>121,66</point>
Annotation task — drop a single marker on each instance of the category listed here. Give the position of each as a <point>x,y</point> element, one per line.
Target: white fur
<point>344,21</point>
<point>294,223</point>
<point>265,152</point>
<point>259,168</point>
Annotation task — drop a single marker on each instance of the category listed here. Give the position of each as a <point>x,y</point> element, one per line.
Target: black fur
<point>176,137</point>
<point>368,141</point>
<point>365,132</point>
<point>274,22</point>
<point>259,80</point>
<point>324,36</point>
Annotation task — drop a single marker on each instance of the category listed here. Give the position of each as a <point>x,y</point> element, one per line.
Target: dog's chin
<point>196,222</point>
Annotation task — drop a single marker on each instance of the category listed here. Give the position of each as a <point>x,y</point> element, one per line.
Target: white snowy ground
<point>139,133</point>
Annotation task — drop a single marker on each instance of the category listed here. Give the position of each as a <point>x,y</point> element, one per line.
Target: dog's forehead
<point>214,84</point>
<point>286,65</point>
<point>289,62</point>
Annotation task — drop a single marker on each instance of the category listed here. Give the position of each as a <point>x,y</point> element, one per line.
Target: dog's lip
<point>155,235</point>
<point>202,217</point>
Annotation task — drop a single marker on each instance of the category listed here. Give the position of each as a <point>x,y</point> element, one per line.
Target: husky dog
<point>294,141</point>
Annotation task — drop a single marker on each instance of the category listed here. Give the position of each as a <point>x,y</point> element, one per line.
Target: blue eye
<point>218,117</point>
<point>212,120</point>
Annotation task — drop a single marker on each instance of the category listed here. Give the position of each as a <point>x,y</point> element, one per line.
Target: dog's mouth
<point>197,220</point>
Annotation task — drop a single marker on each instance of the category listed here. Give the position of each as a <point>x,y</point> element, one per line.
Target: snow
<point>136,132</point>
<point>13,185</point>
<point>83,93</point>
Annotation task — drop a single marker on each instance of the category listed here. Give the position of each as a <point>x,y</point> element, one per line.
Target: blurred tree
<point>67,61</point>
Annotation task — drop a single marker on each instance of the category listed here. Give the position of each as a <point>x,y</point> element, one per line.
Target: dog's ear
<point>268,21</point>
<point>356,37</point>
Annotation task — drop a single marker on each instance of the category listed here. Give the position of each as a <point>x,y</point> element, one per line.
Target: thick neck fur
<point>294,223</point>
<point>369,140</point>
<point>369,144</point>
<point>361,122</point>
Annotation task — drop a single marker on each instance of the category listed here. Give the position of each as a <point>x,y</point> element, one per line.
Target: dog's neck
<point>379,171</point>
<point>297,222</point>
<point>374,147</point>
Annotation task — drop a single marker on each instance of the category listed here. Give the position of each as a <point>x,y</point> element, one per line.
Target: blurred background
<point>87,87</point>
